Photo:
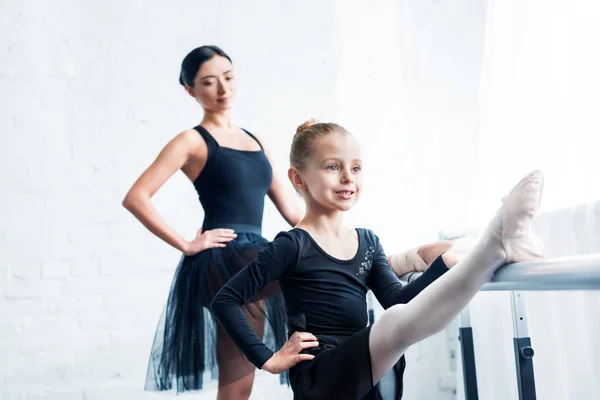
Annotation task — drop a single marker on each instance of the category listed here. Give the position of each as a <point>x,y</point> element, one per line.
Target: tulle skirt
<point>189,344</point>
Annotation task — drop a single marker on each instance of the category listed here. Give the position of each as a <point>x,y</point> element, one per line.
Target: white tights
<point>508,238</point>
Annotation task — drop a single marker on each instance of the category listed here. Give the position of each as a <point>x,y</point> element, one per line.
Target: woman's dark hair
<point>194,60</point>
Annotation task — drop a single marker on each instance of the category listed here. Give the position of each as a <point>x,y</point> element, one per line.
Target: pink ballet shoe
<point>519,208</point>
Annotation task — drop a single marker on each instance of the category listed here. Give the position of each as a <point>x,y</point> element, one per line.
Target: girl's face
<point>332,176</point>
<point>214,85</point>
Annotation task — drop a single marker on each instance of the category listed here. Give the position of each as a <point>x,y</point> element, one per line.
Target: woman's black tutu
<point>186,345</point>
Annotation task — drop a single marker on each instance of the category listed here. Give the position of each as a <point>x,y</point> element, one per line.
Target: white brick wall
<point>89,94</point>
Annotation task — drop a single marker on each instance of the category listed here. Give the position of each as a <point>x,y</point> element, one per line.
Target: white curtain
<point>539,108</point>
<point>540,94</point>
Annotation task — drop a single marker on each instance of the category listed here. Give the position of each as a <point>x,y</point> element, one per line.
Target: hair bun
<point>306,125</point>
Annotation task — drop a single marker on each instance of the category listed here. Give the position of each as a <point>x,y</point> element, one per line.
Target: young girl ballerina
<point>325,269</point>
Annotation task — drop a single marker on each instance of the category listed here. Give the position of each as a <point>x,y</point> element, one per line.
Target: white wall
<point>409,86</point>
<point>89,95</point>
<point>441,47</point>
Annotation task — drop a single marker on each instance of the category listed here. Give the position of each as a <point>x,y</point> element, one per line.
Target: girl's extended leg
<point>507,239</point>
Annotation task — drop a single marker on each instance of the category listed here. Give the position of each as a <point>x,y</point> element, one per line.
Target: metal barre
<point>565,273</point>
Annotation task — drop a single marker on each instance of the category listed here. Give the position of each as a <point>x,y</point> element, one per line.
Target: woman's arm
<point>186,147</point>
<point>282,195</point>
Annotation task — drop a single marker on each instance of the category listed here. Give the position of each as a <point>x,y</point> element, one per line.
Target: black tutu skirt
<point>341,370</point>
<point>189,344</point>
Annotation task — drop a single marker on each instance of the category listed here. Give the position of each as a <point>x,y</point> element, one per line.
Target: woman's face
<point>214,85</point>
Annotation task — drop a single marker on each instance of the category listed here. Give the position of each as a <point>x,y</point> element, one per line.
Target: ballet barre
<point>553,274</point>
<point>564,273</point>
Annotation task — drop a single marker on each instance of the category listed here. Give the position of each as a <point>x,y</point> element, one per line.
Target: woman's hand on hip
<point>209,239</point>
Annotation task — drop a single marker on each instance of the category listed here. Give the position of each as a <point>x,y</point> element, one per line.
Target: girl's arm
<point>385,284</point>
<point>268,266</point>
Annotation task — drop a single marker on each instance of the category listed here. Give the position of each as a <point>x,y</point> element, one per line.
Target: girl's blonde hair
<point>305,138</point>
